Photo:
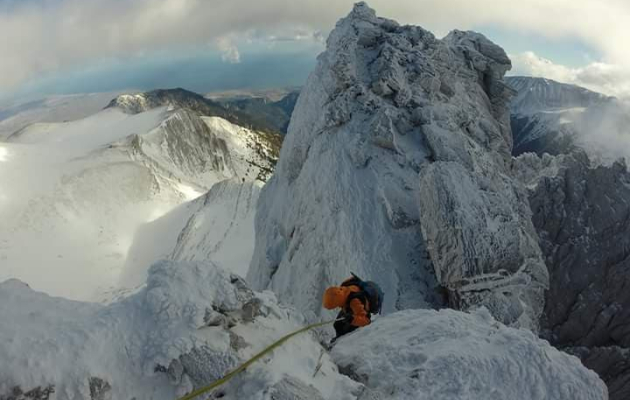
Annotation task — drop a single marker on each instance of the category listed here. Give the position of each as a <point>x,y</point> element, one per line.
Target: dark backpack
<point>368,290</point>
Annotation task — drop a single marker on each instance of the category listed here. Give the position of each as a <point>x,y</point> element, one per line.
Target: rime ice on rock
<point>396,167</point>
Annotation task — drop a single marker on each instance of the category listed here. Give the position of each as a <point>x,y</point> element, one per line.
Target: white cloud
<point>39,37</point>
<point>610,79</point>
<point>229,51</point>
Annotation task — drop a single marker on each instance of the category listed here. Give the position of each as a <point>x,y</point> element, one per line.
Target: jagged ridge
<point>181,98</point>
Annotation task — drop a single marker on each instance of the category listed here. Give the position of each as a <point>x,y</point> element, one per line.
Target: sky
<point>78,46</point>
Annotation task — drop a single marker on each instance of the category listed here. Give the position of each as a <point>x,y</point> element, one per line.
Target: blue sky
<point>72,46</point>
<point>200,69</point>
<point>570,52</point>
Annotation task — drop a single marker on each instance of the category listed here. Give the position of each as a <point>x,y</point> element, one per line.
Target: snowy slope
<point>388,124</point>
<point>217,226</point>
<point>64,228</point>
<point>77,191</point>
<point>223,229</point>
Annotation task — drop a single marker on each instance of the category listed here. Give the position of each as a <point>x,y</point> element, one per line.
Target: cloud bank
<point>40,37</point>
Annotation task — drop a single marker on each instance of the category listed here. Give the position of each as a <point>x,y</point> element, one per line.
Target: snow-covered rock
<point>191,324</point>
<point>387,125</point>
<point>581,212</point>
<point>450,355</point>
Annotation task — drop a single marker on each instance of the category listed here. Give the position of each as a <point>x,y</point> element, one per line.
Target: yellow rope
<point>252,360</point>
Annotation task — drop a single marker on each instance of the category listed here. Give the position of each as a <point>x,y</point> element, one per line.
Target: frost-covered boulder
<point>368,178</point>
<point>581,211</point>
<point>451,355</point>
<point>188,326</point>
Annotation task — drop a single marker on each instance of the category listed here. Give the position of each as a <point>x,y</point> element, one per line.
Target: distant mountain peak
<point>547,116</point>
<point>538,94</point>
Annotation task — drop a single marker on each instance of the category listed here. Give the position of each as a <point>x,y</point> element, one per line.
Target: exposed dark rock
<point>582,215</point>
<point>100,389</point>
<point>38,393</point>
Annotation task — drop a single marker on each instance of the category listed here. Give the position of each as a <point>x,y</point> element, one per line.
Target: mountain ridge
<point>182,98</point>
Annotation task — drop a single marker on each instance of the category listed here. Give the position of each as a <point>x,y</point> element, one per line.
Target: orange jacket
<point>337,296</point>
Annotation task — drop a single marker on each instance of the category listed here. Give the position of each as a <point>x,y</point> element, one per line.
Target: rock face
<point>388,124</point>
<point>450,355</point>
<point>582,214</point>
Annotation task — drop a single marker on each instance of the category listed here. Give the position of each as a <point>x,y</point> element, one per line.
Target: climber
<point>358,300</point>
